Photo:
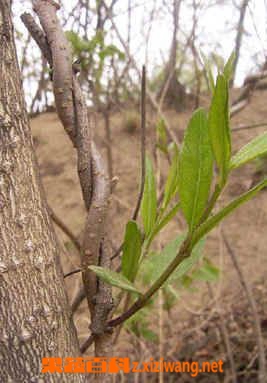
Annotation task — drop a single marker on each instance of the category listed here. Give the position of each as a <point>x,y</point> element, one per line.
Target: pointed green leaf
<point>211,79</point>
<point>156,263</point>
<point>132,246</point>
<point>255,148</point>
<point>208,71</point>
<point>149,200</point>
<point>195,169</point>
<point>160,224</point>
<point>162,136</point>
<point>114,279</point>
<point>186,265</point>
<point>207,273</point>
<point>167,218</point>
<point>140,324</point>
<point>219,132</point>
<point>170,297</point>
<point>214,220</point>
<point>218,61</point>
<point>228,68</point>
<point>172,180</point>
<point>153,266</point>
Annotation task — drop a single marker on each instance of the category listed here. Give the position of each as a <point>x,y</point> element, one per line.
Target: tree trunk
<point>239,35</point>
<point>35,319</point>
<point>172,92</point>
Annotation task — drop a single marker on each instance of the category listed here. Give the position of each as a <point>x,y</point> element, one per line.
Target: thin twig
<point>72,273</point>
<point>135,66</point>
<point>143,143</point>
<point>143,154</point>
<point>237,108</point>
<point>23,62</point>
<point>87,344</point>
<point>249,126</point>
<point>125,307</point>
<point>38,35</point>
<point>77,300</point>
<point>253,307</point>
<point>65,229</point>
<point>117,252</point>
<point>225,335</point>
<point>249,86</point>
<point>255,77</point>
<point>108,142</point>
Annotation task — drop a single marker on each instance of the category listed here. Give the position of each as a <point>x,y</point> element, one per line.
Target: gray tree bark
<point>35,319</point>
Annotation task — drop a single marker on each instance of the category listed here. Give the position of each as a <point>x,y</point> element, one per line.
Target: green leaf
<point>228,68</point>
<point>218,61</point>
<point>170,297</point>
<point>186,281</point>
<point>207,273</point>
<point>132,246</point>
<point>149,334</point>
<point>214,220</point>
<point>110,51</point>
<point>166,219</point>
<point>162,136</point>
<point>161,224</point>
<point>172,179</point>
<point>149,200</point>
<point>114,279</point>
<point>162,139</point>
<point>195,169</point>
<point>255,148</point>
<point>219,132</point>
<point>208,71</point>
<point>156,263</point>
<point>188,262</point>
<point>139,324</point>
<point>78,45</point>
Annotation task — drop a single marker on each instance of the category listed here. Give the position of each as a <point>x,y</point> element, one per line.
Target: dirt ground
<point>245,230</point>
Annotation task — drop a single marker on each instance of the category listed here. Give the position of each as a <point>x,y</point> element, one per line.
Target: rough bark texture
<point>34,315</point>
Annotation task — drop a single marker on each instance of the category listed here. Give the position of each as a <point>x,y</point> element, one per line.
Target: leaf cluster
<point>198,173</point>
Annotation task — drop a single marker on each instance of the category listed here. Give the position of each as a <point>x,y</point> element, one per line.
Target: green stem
<point>184,252</point>
<point>211,203</point>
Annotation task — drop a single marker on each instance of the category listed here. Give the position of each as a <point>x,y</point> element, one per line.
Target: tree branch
<point>72,110</point>
<point>143,144</point>
<point>252,304</point>
<point>65,229</point>
<point>151,97</point>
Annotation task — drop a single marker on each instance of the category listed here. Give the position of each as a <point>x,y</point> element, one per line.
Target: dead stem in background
<point>253,307</point>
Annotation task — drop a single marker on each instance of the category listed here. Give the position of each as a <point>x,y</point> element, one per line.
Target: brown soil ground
<point>190,321</point>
